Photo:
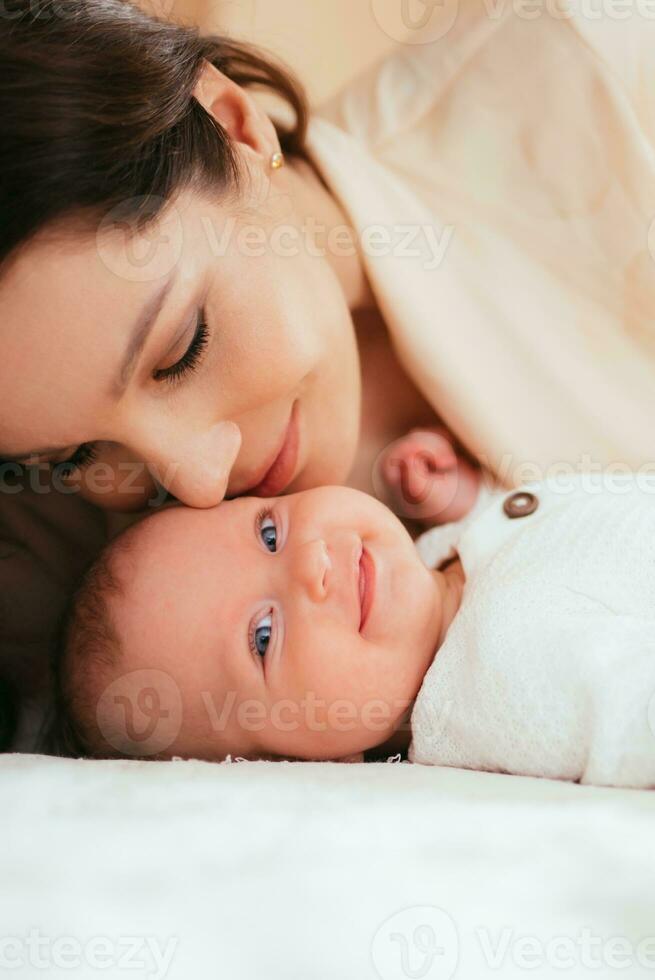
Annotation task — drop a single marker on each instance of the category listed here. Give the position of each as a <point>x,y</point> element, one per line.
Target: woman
<point>198,301</point>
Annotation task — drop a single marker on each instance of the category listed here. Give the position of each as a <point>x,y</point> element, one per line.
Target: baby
<point>519,638</point>
<point>293,627</point>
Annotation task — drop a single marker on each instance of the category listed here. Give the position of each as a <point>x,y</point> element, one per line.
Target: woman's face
<point>140,347</point>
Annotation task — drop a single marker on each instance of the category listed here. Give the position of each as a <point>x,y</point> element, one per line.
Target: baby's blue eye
<point>262,635</point>
<point>268,533</point>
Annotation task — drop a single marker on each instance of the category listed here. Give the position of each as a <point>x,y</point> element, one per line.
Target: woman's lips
<point>280,473</point>
<point>366,586</point>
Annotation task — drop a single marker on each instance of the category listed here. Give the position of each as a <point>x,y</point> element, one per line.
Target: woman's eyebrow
<point>139,334</point>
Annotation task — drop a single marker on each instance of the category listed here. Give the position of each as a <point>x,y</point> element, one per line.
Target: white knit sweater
<point>548,668</point>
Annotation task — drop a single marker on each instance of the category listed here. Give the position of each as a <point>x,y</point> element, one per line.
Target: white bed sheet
<point>267,870</point>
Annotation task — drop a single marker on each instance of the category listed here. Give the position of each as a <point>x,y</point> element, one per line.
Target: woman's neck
<point>383,419</point>
<point>321,215</point>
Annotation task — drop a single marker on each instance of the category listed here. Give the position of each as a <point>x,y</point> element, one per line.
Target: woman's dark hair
<point>8,714</point>
<point>97,112</point>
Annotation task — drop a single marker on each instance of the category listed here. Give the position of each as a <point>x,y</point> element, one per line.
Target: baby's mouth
<point>366,586</point>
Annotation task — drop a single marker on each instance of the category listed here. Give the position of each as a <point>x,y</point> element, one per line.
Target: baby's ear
<point>357,757</point>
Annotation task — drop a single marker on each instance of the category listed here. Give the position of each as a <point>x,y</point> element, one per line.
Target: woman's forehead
<point>67,323</point>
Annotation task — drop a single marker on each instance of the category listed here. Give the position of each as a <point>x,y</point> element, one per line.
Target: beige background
<point>325,41</point>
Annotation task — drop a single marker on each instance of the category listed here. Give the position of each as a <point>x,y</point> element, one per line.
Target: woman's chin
<point>322,472</point>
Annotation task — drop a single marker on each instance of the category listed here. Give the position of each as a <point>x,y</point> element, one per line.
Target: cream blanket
<point>500,171</point>
<point>319,871</point>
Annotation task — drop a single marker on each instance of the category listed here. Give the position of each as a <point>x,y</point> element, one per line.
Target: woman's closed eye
<point>191,358</point>
<point>171,374</point>
<point>83,456</point>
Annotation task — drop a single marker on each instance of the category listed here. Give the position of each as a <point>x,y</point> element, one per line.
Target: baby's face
<point>299,627</point>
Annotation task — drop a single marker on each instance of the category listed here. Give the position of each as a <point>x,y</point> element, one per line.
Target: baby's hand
<point>423,478</point>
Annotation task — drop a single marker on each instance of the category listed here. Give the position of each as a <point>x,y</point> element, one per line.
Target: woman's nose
<point>312,568</point>
<point>195,468</point>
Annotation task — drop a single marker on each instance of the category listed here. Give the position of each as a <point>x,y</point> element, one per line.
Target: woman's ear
<point>236,111</point>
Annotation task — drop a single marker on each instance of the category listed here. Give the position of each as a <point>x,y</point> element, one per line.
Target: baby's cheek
<point>325,671</point>
<point>363,687</point>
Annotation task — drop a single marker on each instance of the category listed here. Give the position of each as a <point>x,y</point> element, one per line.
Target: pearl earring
<point>277,161</point>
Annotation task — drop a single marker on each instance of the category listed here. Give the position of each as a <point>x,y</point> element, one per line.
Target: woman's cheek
<point>117,480</point>
<point>271,324</point>
<point>257,362</point>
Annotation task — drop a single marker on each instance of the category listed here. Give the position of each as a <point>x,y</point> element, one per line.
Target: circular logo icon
<point>140,713</point>
<point>415,21</point>
<point>420,943</point>
<point>411,479</point>
<point>140,239</point>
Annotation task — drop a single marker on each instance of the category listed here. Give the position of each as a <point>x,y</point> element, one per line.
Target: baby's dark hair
<point>86,651</point>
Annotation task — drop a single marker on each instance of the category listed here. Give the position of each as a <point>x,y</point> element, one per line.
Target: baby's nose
<point>313,568</point>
